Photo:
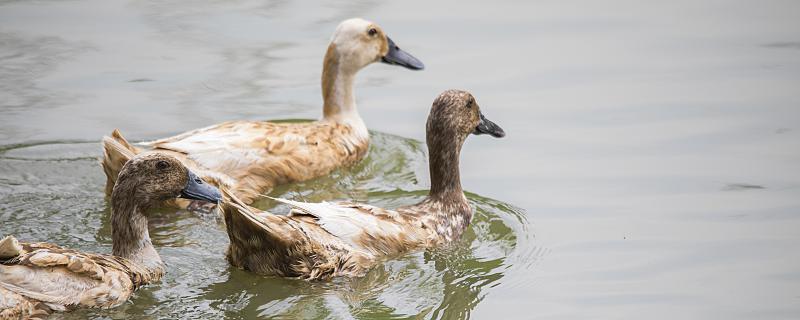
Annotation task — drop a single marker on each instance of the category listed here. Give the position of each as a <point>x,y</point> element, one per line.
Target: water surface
<point>651,167</point>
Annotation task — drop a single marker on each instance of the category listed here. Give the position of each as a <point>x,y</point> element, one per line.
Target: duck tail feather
<point>233,206</point>
<point>231,199</point>
<point>116,152</point>
<point>10,248</point>
<point>16,306</point>
<point>55,303</point>
<point>308,208</point>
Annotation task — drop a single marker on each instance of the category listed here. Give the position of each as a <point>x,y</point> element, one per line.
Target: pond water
<point>651,167</point>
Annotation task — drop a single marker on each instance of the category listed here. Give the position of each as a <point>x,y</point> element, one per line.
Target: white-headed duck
<point>323,240</point>
<point>251,157</point>
<point>37,278</point>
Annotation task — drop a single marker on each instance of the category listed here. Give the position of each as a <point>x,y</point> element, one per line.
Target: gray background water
<point>653,147</point>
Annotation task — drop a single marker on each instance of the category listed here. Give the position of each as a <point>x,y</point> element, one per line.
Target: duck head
<point>455,114</point>
<point>151,178</point>
<point>357,43</point>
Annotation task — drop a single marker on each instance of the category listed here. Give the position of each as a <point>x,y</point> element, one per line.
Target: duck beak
<point>401,58</point>
<point>487,127</point>
<point>197,189</point>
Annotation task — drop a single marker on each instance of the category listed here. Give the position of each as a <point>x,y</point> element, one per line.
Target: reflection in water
<point>446,283</point>
<point>392,164</point>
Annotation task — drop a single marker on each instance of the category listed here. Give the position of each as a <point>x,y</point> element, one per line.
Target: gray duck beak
<point>399,57</point>
<point>197,189</point>
<point>487,127</point>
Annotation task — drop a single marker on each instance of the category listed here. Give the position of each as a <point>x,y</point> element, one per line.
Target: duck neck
<point>337,90</point>
<point>444,153</point>
<point>130,237</point>
<point>446,201</point>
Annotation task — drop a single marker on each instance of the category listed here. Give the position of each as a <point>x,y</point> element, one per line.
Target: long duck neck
<point>131,239</point>
<point>446,199</point>
<point>444,153</point>
<point>337,90</point>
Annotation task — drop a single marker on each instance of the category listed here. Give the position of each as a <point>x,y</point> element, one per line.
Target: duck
<point>251,157</point>
<point>319,241</point>
<point>37,278</point>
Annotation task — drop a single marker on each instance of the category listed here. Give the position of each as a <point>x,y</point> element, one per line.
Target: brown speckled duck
<point>251,157</point>
<point>37,278</point>
<point>324,240</point>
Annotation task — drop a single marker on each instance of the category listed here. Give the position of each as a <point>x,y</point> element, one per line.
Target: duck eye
<point>161,165</point>
<point>469,104</point>
<point>372,32</point>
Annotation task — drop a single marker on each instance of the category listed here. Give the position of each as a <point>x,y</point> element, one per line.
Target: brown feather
<point>14,306</point>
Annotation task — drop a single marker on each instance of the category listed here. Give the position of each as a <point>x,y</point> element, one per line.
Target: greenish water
<point>651,168</point>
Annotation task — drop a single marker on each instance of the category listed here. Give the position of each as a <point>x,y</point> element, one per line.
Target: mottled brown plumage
<point>251,157</point>
<point>36,278</point>
<point>324,240</point>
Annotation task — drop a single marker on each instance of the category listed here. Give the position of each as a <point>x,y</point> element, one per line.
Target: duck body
<point>249,158</point>
<point>37,278</point>
<point>324,240</point>
<point>318,241</point>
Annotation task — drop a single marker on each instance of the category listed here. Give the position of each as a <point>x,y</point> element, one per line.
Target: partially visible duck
<point>323,240</point>
<point>251,157</point>
<point>37,278</point>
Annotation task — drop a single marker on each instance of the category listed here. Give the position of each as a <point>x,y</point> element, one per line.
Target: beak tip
<point>216,197</point>
<point>196,189</point>
<point>488,127</point>
<point>396,56</point>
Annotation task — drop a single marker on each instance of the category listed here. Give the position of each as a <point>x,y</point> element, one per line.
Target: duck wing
<point>234,145</point>
<point>376,230</point>
<point>62,277</point>
<point>281,245</point>
<point>317,240</point>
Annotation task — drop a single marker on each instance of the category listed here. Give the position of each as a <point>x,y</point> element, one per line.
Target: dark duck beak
<point>197,189</point>
<point>487,127</point>
<point>399,57</point>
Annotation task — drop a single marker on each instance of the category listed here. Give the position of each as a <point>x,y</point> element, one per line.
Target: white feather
<point>228,149</point>
<point>345,222</point>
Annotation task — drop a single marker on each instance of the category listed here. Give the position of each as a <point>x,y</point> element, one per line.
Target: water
<point>650,169</point>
